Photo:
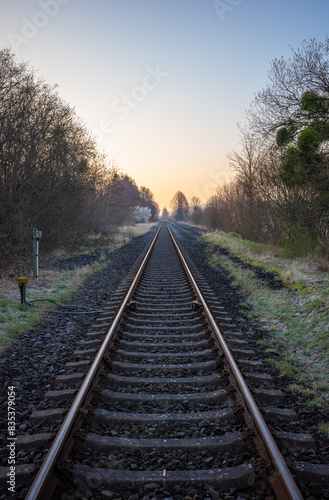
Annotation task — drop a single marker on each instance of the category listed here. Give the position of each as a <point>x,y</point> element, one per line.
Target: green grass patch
<point>16,318</point>
<point>299,273</point>
<point>59,286</point>
<point>297,319</point>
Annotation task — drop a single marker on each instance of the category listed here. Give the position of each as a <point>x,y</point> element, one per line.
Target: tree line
<point>280,190</point>
<point>52,175</point>
<point>183,211</point>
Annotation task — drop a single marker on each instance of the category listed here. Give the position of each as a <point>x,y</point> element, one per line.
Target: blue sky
<point>161,83</point>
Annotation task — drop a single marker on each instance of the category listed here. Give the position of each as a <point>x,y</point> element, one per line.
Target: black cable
<point>77,312</point>
<point>70,306</point>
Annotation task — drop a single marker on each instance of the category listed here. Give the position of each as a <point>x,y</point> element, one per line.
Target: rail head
<point>287,484</point>
<point>39,488</point>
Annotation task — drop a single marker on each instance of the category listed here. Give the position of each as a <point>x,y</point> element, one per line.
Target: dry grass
<point>138,229</point>
<point>311,270</point>
<point>297,317</point>
<point>59,286</point>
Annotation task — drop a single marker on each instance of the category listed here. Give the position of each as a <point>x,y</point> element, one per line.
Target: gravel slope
<point>35,359</point>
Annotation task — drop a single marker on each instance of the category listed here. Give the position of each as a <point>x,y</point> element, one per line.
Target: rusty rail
<point>284,484</point>
<point>284,480</point>
<point>40,484</point>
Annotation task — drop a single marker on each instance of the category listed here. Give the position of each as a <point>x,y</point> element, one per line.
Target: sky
<point>161,84</point>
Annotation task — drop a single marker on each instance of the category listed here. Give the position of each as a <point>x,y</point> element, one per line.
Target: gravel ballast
<point>36,358</point>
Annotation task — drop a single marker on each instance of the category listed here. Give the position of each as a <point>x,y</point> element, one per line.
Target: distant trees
<point>147,200</point>
<point>247,163</point>
<point>51,174</point>
<point>142,214</point>
<point>165,214</point>
<point>213,212</point>
<point>196,215</point>
<point>180,206</point>
<point>122,196</point>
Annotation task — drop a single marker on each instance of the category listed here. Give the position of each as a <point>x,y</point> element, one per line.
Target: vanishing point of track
<point>164,378</point>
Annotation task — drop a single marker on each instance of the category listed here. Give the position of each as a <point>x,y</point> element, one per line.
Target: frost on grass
<point>297,317</point>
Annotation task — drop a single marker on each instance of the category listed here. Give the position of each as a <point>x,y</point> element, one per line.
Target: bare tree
<point>274,106</point>
<point>196,214</point>
<point>292,116</point>
<point>180,206</point>
<point>165,214</point>
<point>247,165</point>
<point>212,212</point>
<point>51,174</point>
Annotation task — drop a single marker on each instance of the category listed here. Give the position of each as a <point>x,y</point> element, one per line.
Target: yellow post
<point>22,282</point>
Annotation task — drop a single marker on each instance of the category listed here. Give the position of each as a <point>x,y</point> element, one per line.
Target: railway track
<point>164,409</point>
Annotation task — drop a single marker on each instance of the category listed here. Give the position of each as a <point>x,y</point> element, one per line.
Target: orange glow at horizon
<point>174,159</point>
<point>162,85</point>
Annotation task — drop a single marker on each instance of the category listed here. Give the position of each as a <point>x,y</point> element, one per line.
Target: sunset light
<point>161,85</point>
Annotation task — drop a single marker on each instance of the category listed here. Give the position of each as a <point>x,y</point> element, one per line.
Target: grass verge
<point>60,286</point>
<point>296,317</point>
<point>16,318</point>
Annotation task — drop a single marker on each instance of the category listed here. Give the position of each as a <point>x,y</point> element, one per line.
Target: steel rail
<point>284,476</point>
<point>38,488</point>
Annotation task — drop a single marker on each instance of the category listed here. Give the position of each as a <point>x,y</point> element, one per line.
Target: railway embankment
<point>288,297</point>
<point>62,273</point>
<point>36,360</point>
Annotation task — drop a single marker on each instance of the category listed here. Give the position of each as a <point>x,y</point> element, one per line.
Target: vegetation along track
<point>167,413</point>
